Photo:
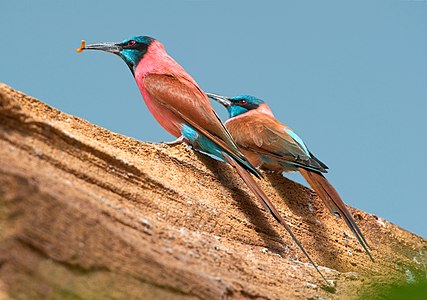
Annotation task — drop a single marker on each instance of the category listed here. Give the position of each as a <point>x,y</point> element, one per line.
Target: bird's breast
<point>167,119</point>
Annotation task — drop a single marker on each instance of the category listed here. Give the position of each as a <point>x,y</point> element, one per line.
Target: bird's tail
<point>259,193</point>
<point>333,201</point>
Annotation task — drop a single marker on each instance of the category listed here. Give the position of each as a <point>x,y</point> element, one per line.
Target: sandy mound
<point>89,214</point>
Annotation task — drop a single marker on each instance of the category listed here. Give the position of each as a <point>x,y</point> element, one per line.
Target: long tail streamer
<point>333,201</point>
<point>254,187</point>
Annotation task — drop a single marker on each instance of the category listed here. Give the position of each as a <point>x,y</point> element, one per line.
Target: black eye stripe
<point>243,103</point>
<point>240,102</point>
<point>135,45</point>
<point>130,44</point>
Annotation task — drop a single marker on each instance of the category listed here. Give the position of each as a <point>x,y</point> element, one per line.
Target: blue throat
<point>237,107</point>
<point>235,110</point>
<point>132,55</point>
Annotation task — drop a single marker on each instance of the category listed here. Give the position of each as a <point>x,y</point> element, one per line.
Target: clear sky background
<point>350,78</point>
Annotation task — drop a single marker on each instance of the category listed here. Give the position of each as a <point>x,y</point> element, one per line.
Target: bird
<point>182,108</point>
<point>270,144</point>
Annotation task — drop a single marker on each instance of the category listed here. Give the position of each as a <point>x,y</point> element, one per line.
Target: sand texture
<point>86,213</point>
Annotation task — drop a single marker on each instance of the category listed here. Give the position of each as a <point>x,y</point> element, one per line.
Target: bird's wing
<point>267,136</point>
<point>187,101</point>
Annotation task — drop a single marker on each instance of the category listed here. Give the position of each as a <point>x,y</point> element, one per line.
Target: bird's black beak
<point>221,99</point>
<point>108,47</point>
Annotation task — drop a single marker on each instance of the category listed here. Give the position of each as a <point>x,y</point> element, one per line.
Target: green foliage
<point>415,291</point>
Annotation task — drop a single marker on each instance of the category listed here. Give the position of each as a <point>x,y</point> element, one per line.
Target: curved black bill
<point>221,99</point>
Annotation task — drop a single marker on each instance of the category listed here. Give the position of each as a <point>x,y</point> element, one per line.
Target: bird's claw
<point>178,141</point>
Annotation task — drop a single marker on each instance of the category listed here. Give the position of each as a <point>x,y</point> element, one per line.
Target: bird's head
<point>239,104</point>
<point>130,50</point>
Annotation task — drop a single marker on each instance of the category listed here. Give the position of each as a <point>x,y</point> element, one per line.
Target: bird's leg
<point>178,141</point>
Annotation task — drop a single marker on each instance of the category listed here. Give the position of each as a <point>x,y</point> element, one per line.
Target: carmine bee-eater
<point>270,144</point>
<point>184,110</point>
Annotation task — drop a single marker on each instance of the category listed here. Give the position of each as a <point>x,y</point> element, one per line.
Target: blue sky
<point>350,78</point>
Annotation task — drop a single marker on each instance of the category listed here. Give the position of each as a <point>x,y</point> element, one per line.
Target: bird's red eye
<point>131,43</point>
<point>243,101</point>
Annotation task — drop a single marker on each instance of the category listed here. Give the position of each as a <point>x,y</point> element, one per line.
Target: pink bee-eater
<point>184,110</point>
<point>270,144</point>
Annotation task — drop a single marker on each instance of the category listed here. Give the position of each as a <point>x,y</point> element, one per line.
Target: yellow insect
<point>82,46</point>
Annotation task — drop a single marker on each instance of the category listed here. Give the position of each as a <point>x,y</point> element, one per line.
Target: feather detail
<point>191,106</point>
<point>263,134</point>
